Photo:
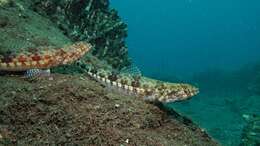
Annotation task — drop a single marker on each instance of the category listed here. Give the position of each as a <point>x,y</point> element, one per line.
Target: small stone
<point>82,78</point>
<point>51,79</point>
<point>96,107</point>
<point>41,87</point>
<point>1,137</point>
<point>13,92</point>
<point>127,140</point>
<point>245,116</point>
<point>117,105</point>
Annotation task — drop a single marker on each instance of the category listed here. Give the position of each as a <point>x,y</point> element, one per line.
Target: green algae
<point>92,21</point>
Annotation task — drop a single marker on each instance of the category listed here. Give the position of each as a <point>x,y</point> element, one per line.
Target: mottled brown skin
<point>149,89</point>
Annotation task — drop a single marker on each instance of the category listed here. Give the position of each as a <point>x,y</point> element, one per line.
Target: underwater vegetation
<point>92,21</point>
<point>5,2</point>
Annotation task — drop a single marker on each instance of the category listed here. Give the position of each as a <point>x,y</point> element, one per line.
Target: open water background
<point>212,44</point>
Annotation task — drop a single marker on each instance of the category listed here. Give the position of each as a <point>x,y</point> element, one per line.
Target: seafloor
<point>75,110</point>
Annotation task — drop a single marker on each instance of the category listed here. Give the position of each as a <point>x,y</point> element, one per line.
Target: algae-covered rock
<point>21,28</point>
<point>92,21</point>
<point>5,2</point>
<point>251,132</point>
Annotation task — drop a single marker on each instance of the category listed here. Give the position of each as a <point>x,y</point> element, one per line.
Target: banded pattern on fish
<point>150,90</point>
<point>43,58</point>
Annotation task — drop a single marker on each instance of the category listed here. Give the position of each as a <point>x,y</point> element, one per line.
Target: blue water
<point>179,40</point>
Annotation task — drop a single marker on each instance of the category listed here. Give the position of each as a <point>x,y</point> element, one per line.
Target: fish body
<point>43,58</point>
<point>149,89</point>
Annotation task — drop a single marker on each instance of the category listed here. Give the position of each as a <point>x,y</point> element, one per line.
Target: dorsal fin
<point>131,70</point>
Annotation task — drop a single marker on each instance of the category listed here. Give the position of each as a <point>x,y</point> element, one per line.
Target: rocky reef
<point>251,132</point>
<point>92,21</point>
